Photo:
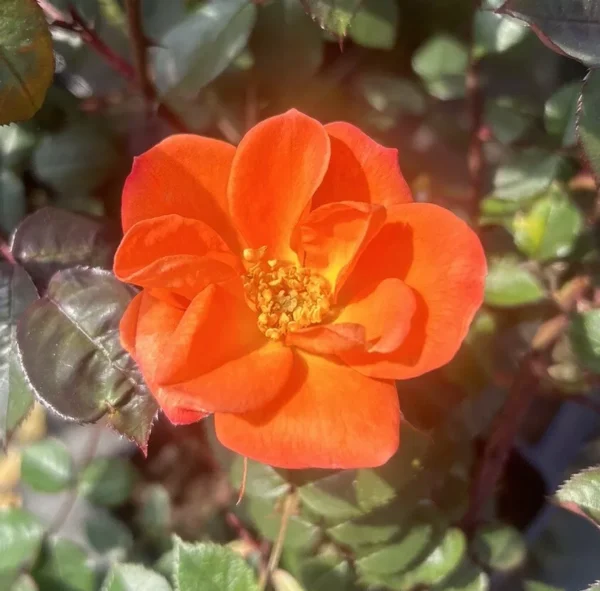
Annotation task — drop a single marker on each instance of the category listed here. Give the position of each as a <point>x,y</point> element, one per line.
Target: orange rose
<point>287,283</point>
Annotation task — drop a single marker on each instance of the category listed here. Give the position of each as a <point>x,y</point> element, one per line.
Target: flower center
<point>286,297</point>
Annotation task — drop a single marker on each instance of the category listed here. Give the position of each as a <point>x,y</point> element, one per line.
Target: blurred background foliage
<point>494,107</point>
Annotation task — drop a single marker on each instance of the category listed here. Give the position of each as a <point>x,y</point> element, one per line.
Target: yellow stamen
<point>286,297</point>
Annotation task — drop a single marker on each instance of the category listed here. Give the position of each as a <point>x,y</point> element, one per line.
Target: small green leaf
<point>12,201</point>
<point>525,174</point>
<point>202,45</point>
<point>563,25</point>
<point>507,122</point>
<point>77,159</point>
<point>47,466</point>
<point>334,16</point>
<point>499,547</point>
<point>53,239</point>
<point>442,63</point>
<point>375,24</point>
<point>262,481</point>
<point>16,145</point>
<point>107,481</point>
<point>108,536</point>
<point>560,113</point>
<point>537,586</point>
<point>283,581</point>
<point>509,284</point>
<point>210,567</point>
<point>23,583</point>
<point>17,292</point>
<point>154,517</point>
<point>391,95</point>
<point>70,348</point>
<point>325,573</point>
<point>495,33</point>
<point>467,577</point>
<point>588,121</point>
<point>64,565</point>
<point>26,60</point>
<point>134,577</point>
<point>20,539</point>
<point>584,334</point>
<point>583,489</point>
<point>549,230</point>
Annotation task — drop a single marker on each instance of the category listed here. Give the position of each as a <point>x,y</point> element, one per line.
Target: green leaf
<point>526,173</point>
<point>107,481</point>
<point>505,120</point>
<point>563,25</point>
<point>47,466</point>
<point>549,230</point>
<point>583,489</point>
<point>283,581</point>
<point>17,292</point>
<point>391,95</point>
<point>12,201</point>
<point>53,239</point>
<point>495,33</point>
<point>441,562</point>
<point>64,565</point>
<point>202,45</point>
<point>467,577</point>
<point>154,517</point>
<point>261,480</point>
<point>20,539</point>
<point>442,63</point>
<point>375,24</point>
<point>588,123</point>
<point>108,536</point>
<point>26,60</point>
<point>77,159</point>
<point>499,547</point>
<point>509,284</point>
<point>134,577</point>
<point>286,45</point>
<point>16,145</point>
<point>560,113</point>
<point>537,586</point>
<point>88,373</point>
<point>334,16</point>
<point>210,567</point>
<point>325,573</point>
<point>584,335</point>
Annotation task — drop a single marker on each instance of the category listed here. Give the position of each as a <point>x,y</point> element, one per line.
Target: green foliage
<point>21,537</point>
<point>511,284</point>
<point>107,481</point>
<point>583,489</point>
<point>107,535</point>
<point>560,113</point>
<point>209,567</point>
<point>12,200</point>
<point>26,60</point>
<point>584,335</point>
<point>375,23</point>
<point>565,26</point>
<point>499,547</point>
<point>47,466</point>
<point>442,63</point>
<point>16,293</point>
<point>589,129</point>
<point>334,16</point>
<point>130,577</point>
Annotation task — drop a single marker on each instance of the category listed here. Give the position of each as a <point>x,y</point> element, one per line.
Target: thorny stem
<point>290,504</point>
<point>475,100</point>
<point>502,438</point>
<point>89,453</point>
<point>76,23</point>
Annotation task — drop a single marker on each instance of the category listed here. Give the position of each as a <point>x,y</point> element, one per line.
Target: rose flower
<point>286,284</point>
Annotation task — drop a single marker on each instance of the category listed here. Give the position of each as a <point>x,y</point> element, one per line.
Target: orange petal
<point>175,253</point>
<point>330,416</point>
<point>277,168</point>
<point>436,254</point>
<point>218,360</point>
<point>360,169</point>
<point>186,175</point>
<point>335,234</point>
<point>149,323</point>
<point>128,324</point>
<point>328,339</point>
